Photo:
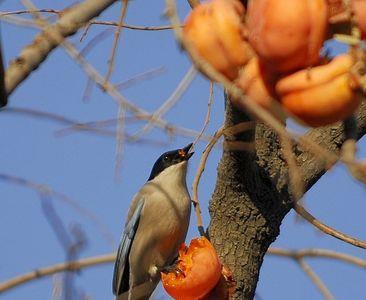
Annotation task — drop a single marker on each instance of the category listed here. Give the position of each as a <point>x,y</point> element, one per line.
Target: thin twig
<point>94,41</point>
<point>88,90</point>
<point>17,21</point>
<point>96,125</point>
<point>140,77</point>
<point>121,107</point>
<point>77,126</point>
<point>61,267</point>
<point>111,90</point>
<point>120,137</point>
<point>27,11</point>
<point>170,102</point>
<point>134,27</point>
<point>56,287</point>
<point>208,114</point>
<point>327,229</point>
<point>115,41</point>
<point>316,280</point>
<point>239,146</point>
<point>201,167</point>
<point>40,188</point>
<point>200,170</point>
<point>35,53</point>
<point>110,258</point>
<point>318,253</point>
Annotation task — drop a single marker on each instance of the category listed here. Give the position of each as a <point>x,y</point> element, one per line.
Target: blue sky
<point>81,165</point>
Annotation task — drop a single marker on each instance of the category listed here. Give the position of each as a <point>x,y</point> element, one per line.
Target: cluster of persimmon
<point>199,274</point>
<point>271,50</point>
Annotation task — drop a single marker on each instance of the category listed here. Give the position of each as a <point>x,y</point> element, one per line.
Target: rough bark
<point>252,195</point>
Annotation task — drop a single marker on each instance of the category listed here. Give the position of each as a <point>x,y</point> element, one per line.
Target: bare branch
<point>197,178</point>
<point>316,280</point>
<point>110,258</point>
<point>140,77</point>
<point>115,41</point>
<point>61,267</point>
<point>34,54</point>
<point>41,188</point>
<point>327,229</point>
<point>19,21</point>
<point>94,41</point>
<point>134,27</point>
<point>318,253</point>
<point>120,138</point>
<point>208,114</point>
<point>170,102</point>
<point>201,167</point>
<point>27,11</point>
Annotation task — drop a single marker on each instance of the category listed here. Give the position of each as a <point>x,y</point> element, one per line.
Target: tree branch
<point>327,229</point>
<point>315,279</point>
<point>318,253</point>
<point>109,258</point>
<point>61,267</point>
<point>35,53</point>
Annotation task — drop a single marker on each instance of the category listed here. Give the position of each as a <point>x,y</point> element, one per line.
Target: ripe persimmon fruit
<point>199,271</point>
<point>216,30</point>
<point>321,95</point>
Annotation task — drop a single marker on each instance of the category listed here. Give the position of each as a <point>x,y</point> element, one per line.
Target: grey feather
<point>119,274</point>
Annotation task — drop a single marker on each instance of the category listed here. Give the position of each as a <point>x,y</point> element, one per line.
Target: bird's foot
<point>173,268</point>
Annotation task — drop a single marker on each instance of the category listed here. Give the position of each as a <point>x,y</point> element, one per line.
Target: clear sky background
<point>81,165</point>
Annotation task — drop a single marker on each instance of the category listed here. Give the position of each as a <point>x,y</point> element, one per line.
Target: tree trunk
<point>252,195</point>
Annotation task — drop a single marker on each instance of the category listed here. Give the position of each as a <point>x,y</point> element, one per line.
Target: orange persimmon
<point>224,288</point>
<point>335,7</point>
<point>257,85</point>
<point>216,30</point>
<point>321,95</point>
<point>287,35</point>
<point>359,9</point>
<point>200,271</point>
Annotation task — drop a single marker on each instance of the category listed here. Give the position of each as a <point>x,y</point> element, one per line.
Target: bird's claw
<point>173,268</point>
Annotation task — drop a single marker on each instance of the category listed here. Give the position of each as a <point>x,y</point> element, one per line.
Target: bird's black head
<point>170,158</point>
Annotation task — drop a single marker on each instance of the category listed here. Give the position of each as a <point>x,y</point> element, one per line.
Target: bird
<point>156,226</point>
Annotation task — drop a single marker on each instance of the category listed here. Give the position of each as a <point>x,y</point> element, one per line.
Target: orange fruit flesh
<point>201,270</point>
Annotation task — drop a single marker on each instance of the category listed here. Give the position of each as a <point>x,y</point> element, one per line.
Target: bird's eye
<point>165,158</point>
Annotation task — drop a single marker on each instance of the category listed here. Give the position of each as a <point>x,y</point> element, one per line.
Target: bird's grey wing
<point>121,267</point>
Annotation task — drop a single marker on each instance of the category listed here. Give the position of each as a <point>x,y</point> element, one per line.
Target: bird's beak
<point>184,152</point>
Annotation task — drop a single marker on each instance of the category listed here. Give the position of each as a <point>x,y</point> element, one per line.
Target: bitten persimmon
<point>321,95</point>
<point>216,30</point>
<point>224,288</point>
<point>257,85</point>
<point>335,7</point>
<point>200,271</point>
<point>287,35</point>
